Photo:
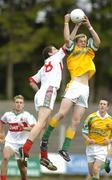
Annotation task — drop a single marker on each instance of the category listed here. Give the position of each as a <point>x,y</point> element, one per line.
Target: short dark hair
<point>105,99</point>
<point>45,51</point>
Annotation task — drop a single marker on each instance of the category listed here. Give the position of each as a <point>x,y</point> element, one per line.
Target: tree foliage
<point>27,26</point>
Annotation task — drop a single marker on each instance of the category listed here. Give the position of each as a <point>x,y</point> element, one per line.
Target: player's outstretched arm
<point>95,36</point>
<point>33,84</point>
<point>67,30</point>
<point>74,31</point>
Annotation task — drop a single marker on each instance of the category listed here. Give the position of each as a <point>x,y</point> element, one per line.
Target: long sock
<point>44,154</point>
<point>69,135</point>
<point>52,125</point>
<point>107,166</point>
<point>44,143</point>
<point>44,147</point>
<point>107,163</point>
<point>3,177</point>
<point>24,179</point>
<point>27,146</point>
<point>103,166</point>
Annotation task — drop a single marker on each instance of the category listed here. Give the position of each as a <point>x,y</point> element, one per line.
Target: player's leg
<point>96,169</point>
<point>65,106</point>
<point>90,169</point>
<point>7,153</point>
<point>78,94</point>
<point>44,103</point>
<point>78,113</point>
<point>22,169</point>
<point>43,115</point>
<point>107,165</point>
<point>107,161</point>
<point>90,161</point>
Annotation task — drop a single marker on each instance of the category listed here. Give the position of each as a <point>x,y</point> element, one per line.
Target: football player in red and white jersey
<point>50,76</point>
<point>19,123</point>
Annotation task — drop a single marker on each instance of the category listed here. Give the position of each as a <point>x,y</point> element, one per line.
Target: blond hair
<point>80,36</point>
<point>18,97</point>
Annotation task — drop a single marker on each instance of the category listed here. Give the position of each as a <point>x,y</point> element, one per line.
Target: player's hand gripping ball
<point>77,15</point>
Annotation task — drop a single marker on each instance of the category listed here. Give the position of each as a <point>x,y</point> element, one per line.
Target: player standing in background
<point>19,123</point>
<point>81,67</point>
<point>97,130</point>
<point>50,76</point>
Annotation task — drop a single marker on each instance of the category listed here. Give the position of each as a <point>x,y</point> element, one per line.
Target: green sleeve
<point>71,48</point>
<point>91,44</point>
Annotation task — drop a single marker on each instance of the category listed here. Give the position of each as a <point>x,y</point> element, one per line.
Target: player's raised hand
<point>67,18</point>
<point>86,22</point>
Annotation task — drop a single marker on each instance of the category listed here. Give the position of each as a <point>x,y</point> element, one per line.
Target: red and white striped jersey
<point>15,134</point>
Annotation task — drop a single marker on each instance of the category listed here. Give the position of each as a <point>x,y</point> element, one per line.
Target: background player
<point>97,129</point>
<point>19,123</point>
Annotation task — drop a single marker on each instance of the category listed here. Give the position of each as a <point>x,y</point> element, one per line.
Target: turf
<point>59,177</point>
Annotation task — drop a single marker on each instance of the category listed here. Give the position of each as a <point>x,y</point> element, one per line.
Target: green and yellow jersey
<point>80,60</point>
<point>97,128</point>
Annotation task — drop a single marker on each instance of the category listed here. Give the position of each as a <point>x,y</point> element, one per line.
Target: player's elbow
<point>98,42</point>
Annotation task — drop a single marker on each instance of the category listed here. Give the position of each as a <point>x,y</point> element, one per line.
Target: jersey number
<point>48,67</point>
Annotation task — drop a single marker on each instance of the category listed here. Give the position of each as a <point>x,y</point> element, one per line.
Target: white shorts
<point>15,148</point>
<point>94,152</point>
<point>45,97</point>
<point>77,93</point>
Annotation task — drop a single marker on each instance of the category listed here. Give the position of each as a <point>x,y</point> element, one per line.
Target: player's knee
<point>42,125</point>
<point>60,115</point>
<point>76,121</point>
<point>6,158</point>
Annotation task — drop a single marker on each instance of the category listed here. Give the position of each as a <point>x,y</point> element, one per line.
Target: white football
<point>77,15</point>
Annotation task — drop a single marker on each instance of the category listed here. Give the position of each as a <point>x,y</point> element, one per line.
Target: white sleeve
<point>4,117</point>
<point>37,77</point>
<point>58,57</point>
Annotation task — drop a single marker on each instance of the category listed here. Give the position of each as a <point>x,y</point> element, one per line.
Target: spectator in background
<point>19,123</point>
<point>97,130</point>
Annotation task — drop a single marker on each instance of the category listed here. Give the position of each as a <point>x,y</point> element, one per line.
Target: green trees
<point>101,17</point>
<point>24,35</point>
<point>27,26</point>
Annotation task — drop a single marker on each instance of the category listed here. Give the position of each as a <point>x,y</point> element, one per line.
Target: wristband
<point>66,22</point>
